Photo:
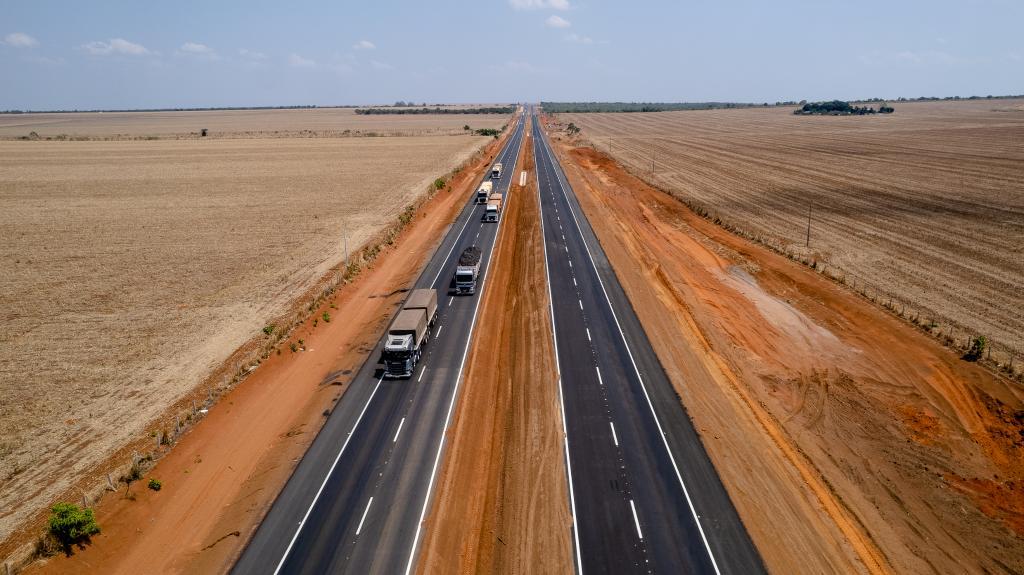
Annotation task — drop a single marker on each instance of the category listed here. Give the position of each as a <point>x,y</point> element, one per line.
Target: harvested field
<point>235,123</point>
<point>877,449</point>
<point>501,504</point>
<point>134,269</point>
<point>925,205</point>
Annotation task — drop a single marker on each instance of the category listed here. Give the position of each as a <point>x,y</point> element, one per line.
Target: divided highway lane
<point>356,501</point>
<point>643,493</point>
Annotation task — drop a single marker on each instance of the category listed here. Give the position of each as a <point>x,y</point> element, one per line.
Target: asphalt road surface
<point>357,500</point>
<point>644,496</point>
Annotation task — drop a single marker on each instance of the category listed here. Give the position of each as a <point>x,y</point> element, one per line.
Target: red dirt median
<point>220,479</point>
<point>869,445</point>
<point>502,500</point>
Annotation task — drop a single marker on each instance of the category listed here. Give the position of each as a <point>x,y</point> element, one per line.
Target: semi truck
<point>492,211</point>
<point>467,271</point>
<point>409,333</point>
<point>484,192</point>
<point>496,171</point>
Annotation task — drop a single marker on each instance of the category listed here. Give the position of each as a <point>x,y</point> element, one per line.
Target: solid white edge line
<point>558,370</point>
<point>636,520</point>
<point>455,394</point>
<point>650,405</point>
<point>400,424</point>
<point>615,437</point>
<point>366,511</point>
<point>326,478</point>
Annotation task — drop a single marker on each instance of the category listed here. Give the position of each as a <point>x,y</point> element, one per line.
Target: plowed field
<point>925,205</point>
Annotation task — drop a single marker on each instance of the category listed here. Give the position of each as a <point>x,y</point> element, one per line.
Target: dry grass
<point>220,123</point>
<point>926,204</point>
<point>132,269</point>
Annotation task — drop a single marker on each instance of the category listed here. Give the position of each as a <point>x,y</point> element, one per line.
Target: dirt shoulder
<point>502,500</point>
<point>877,449</point>
<point>221,478</point>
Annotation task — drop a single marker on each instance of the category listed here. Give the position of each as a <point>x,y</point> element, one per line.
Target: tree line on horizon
<point>437,110</point>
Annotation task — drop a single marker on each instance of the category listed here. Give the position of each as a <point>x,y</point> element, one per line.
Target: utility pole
<point>344,234</point>
<point>809,224</point>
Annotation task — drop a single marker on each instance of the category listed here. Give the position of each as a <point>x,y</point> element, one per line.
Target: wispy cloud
<point>381,65</point>
<point>539,4</point>
<point>578,39</point>
<point>364,45</point>
<point>195,48</point>
<point>20,40</point>
<point>115,46</point>
<point>251,54</point>
<point>556,21</point>
<point>296,61</point>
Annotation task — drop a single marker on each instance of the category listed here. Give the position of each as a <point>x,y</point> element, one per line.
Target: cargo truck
<point>496,171</point>
<point>467,271</point>
<point>492,211</point>
<point>409,333</point>
<point>484,192</point>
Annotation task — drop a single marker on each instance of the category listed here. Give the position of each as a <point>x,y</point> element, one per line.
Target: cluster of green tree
<point>840,108</point>
<point>584,107</point>
<point>400,111</point>
<point>938,99</point>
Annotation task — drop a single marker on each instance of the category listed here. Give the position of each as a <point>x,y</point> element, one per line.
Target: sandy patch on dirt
<point>221,478</point>
<point>876,448</point>
<point>502,501</point>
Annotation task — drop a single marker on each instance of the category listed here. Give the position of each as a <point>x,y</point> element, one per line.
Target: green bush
<point>269,329</point>
<point>154,484</point>
<point>70,524</point>
<point>439,183</point>
<point>977,348</point>
<point>327,317</point>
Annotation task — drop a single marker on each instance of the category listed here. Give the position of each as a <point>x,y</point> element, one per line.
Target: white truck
<point>484,192</point>
<point>467,271</point>
<point>492,211</point>
<point>409,333</point>
<point>496,171</point>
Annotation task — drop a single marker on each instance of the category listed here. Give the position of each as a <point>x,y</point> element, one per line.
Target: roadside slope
<point>502,501</point>
<point>874,447</point>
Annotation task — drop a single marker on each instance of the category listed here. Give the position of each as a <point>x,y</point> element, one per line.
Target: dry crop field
<point>926,204</point>
<point>234,123</point>
<point>133,268</point>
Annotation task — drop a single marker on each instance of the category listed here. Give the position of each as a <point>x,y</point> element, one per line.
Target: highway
<point>644,495</point>
<point>357,500</point>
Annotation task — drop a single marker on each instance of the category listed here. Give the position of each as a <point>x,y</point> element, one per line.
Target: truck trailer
<point>492,211</point>
<point>409,333</point>
<point>496,171</point>
<point>484,192</point>
<point>467,271</point>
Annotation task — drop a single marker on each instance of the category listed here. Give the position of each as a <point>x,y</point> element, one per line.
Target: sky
<point>123,55</point>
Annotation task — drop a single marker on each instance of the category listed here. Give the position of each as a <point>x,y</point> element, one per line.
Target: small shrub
<point>269,329</point>
<point>154,484</point>
<point>294,347</point>
<point>439,183</point>
<point>327,317</point>
<point>977,348</point>
<point>302,343</point>
<point>467,128</point>
<point>315,321</point>
<point>70,524</point>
